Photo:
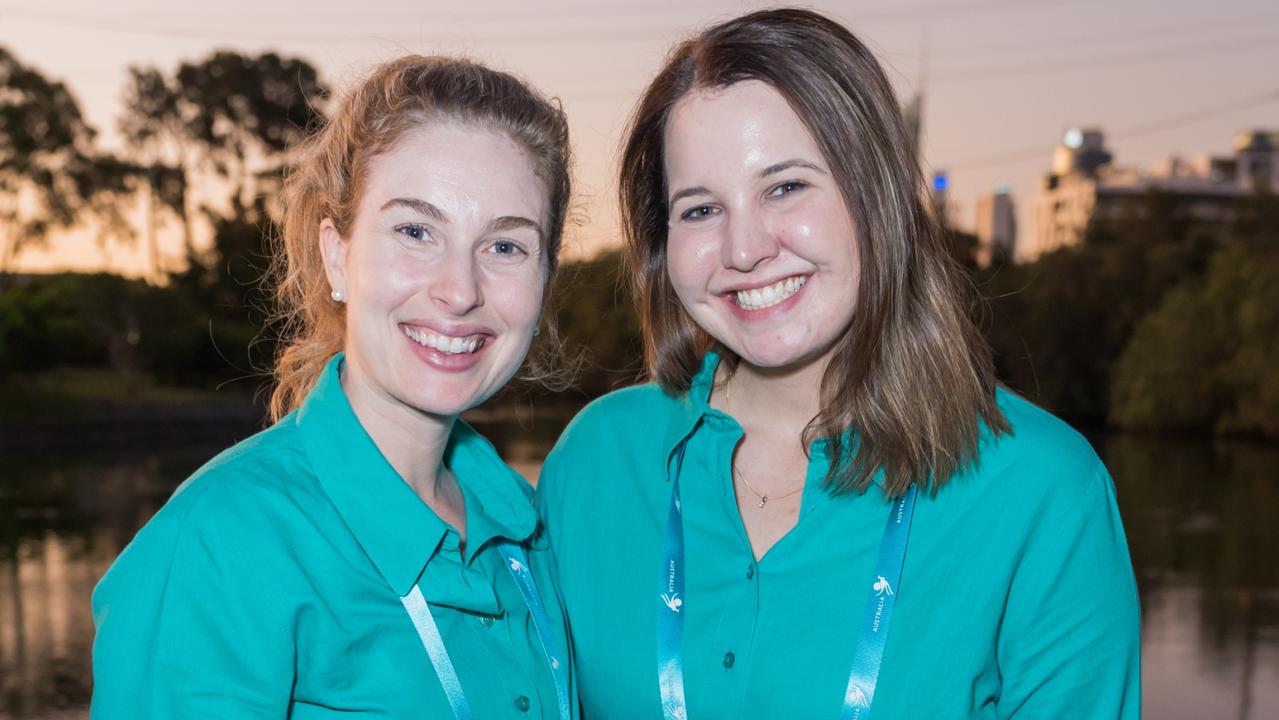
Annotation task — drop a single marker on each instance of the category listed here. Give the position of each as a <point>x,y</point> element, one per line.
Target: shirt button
<point>522,703</point>
<point>750,571</point>
<point>729,659</point>
<point>486,621</point>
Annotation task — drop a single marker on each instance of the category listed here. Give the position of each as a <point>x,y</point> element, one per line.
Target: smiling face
<point>761,248</point>
<point>443,270</point>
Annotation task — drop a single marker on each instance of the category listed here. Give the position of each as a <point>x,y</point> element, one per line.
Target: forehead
<point>744,126</point>
<point>466,170</point>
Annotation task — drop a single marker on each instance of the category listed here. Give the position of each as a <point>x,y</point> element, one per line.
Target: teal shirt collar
<point>695,405</point>
<point>396,529</point>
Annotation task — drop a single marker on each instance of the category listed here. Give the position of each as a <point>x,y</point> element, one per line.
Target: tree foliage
<point>1205,358</point>
<point>227,119</point>
<point>1057,325</point>
<point>593,307</point>
<point>44,140</point>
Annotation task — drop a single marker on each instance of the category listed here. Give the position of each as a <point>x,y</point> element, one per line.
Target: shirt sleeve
<point>1069,643</point>
<point>189,620</point>
<point>548,501</point>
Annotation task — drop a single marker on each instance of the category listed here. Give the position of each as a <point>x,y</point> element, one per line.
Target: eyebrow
<point>512,222</point>
<point>687,192</point>
<point>420,206</point>
<point>787,165</point>
<point>506,222</point>
<point>770,170</point>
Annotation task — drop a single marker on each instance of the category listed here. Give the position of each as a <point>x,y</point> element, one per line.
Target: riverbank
<point>85,409</point>
<point>88,410</point>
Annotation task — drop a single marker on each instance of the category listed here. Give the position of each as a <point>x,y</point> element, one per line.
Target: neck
<point>413,442</point>
<point>782,400</point>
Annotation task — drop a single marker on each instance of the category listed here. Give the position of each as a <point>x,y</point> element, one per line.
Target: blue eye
<point>701,212</point>
<point>416,232</point>
<point>507,248</point>
<point>786,188</point>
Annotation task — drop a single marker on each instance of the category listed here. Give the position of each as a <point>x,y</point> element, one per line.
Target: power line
<point>1066,65</point>
<point>940,10</point>
<point>1077,42</point>
<point>338,30</point>
<point>1132,131</point>
<point>339,21</point>
<point>208,32</point>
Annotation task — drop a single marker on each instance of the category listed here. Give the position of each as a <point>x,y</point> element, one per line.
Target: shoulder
<point>1039,436</point>
<point>238,500</point>
<point>620,435</point>
<point>1041,457</point>
<point>234,518</point>
<point>637,414</point>
<point>261,471</point>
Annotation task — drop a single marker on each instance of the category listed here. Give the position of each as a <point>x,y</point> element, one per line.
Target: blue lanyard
<point>870,644</point>
<point>517,564</point>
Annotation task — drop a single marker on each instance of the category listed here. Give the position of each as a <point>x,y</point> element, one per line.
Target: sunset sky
<point>1004,78</point>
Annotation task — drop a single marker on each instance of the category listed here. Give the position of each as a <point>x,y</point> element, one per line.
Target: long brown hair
<point>912,376</point>
<point>327,176</point>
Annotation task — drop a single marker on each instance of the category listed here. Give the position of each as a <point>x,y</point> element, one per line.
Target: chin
<point>775,356</point>
<point>439,394</point>
<point>443,405</point>
<point>770,361</point>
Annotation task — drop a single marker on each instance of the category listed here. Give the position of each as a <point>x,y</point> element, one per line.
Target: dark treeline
<point>222,124</point>
<point>1154,322</point>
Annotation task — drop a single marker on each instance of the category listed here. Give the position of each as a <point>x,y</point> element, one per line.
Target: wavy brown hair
<point>912,376</point>
<point>328,172</point>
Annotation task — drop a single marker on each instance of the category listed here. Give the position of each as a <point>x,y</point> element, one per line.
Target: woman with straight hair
<point>365,555</point>
<point>823,505</point>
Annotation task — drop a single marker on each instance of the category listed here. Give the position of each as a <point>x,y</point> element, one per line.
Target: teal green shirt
<point>269,586</point>
<point>1017,598</point>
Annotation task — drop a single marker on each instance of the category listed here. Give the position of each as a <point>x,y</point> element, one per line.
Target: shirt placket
<point>732,578</point>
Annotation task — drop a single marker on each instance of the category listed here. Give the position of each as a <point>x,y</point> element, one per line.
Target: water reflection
<point>1200,523</point>
<point>62,522</point>
<point>1198,516</point>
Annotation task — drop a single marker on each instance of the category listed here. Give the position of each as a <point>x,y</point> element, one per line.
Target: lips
<point>769,295</point>
<point>444,343</point>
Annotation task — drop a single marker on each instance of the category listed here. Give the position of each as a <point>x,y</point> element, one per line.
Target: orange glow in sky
<point>1002,78</point>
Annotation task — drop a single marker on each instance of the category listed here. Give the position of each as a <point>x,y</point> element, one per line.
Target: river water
<point>1200,518</point>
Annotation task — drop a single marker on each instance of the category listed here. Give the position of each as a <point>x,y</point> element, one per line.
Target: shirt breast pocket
<point>375,665</point>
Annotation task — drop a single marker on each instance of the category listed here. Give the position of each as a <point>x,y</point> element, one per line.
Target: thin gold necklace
<point>763,499</point>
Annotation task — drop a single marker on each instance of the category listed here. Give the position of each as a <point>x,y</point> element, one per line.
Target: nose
<point>455,287</point>
<point>749,242</point>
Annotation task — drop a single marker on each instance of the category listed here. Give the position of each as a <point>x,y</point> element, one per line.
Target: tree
<point>42,137</point>
<point>244,112</point>
<point>1058,325</point>
<point>593,306</point>
<point>153,129</point>
<point>229,116</point>
<point>1204,360</point>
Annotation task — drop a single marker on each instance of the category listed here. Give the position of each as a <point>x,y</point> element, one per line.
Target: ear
<point>333,250</point>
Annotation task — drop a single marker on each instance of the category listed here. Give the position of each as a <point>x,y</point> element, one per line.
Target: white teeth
<point>760,298</point>
<point>444,343</point>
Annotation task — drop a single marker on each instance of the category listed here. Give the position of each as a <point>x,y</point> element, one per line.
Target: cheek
<point>517,299</point>
<point>373,266</point>
<point>382,291</point>
<point>690,264</point>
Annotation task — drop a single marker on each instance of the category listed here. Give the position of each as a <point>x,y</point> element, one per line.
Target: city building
<point>996,227</point>
<point>1084,184</point>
